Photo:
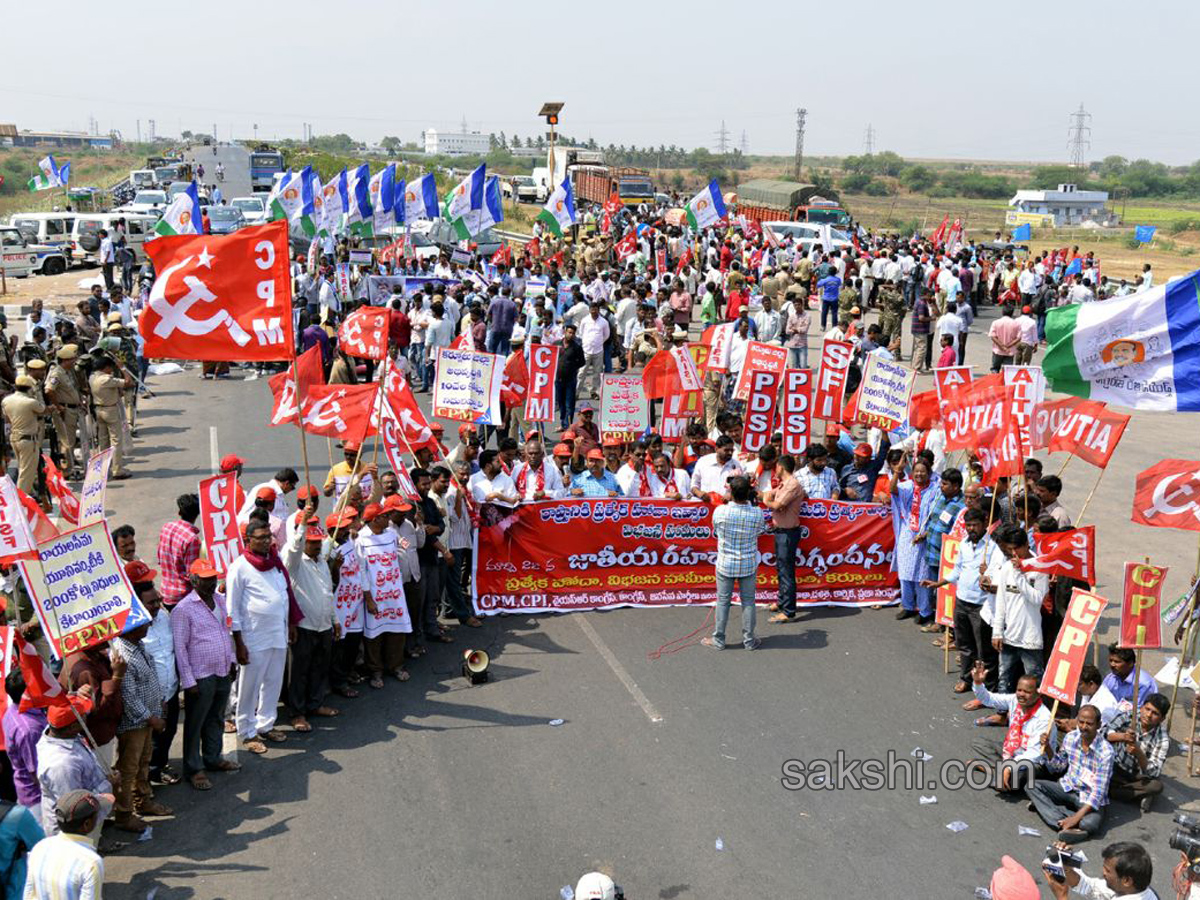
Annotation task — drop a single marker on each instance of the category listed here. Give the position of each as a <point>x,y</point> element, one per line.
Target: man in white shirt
<point>282,484</point>
<point>535,477</point>
<point>257,592</point>
<point>593,333</point>
<point>108,257</point>
<point>1017,626</point>
<point>328,299</point>
<point>950,323</point>
<point>312,651</point>
<point>713,470</point>
<point>769,323</point>
<point>490,484</point>
<point>41,318</point>
<point>1028,341</point>
<point>666,481</point>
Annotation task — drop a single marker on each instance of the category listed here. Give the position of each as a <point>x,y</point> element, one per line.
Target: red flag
<point>978,409</point>
<point>760,409</point>
<point>310,367</point>
<point>1070,648</point>
<point>626,246</point>
<point>534,248</point>
<point>685,260</point>
<point>68,503</point>
<point>344,411</point>
<point>221,297</point>
<point>1141,609</point>
<point>503,256</point>
<point>543,365</point>
<point>364,333</point>
<point>939,234</point>
<point>39,523</point>
<point>1167,495</point>
<point>836,357</point>
<point>923,410</point>
<point>515,382</point>
<point>41,687</point>
<point>1070,554</point>
<point>1091,431</point>
<point>611,206</point>
<point>312,373</point>
<point>408,416</point>
<point>218,519</point>
<point>392,251</point>
<point>558,259</point>
<point>795,410</point>
<point>1047,418</point>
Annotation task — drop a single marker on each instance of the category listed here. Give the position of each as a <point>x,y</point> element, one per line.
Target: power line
<point>801,115</point>
<point>1079,136</point>
<point>723,139</point>
<point>869,140</point>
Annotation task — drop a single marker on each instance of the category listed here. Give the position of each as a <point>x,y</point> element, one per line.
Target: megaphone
<point>475,666</point>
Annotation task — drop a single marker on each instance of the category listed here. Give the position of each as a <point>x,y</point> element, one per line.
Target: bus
<point>264,164</point>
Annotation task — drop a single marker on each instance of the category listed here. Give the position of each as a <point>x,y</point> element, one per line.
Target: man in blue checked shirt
<point>596,480</point>
<point>946,507</point>
<point>817,478</point>
<point>1075,804</point>
<point>737,525</point>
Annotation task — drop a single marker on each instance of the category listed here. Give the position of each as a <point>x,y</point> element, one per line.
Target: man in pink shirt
<point>1028,341</point>
<point>1005,334</point>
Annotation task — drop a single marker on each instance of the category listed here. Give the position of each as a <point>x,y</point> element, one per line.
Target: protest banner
<point>1068,554</point>
<point>760,410</point>
<point>1070,649</point>
<point>946,381</point>
<point>341,281</point>
<point>364,333</point>
<point>1167,495</point>
<point>416,284</point>
<point>884,394</point>
<point>680,409</point>
<point>95,486</point>
<point>624,410</point>
<point>924,411</point>
<point>218,518</point>
<point>760,357</point>
<point>660,260</point>
<point>1141,606</point>
<point>56,484</point>
<point>980,409</point>
<point>380,288</point>
<point>466,386</point>
<point>661,553</point>
<point>1029,390</point>
<point>831,379</point>
<point>543,366</point>
<point>359,257</point>
<point>535,287</point>
<point>795,410</point>
<point>947,594</point>
<point>220,297</point>
<point>1048,418</point>
<point>1090,431</point>
<point>16,537</point>
<point>79,590</point>
<point>719,339</point>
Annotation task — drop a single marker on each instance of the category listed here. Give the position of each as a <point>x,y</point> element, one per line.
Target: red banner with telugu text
<point>596,554</point>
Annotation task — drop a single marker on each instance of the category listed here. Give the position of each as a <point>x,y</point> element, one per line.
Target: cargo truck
<point>766,200</point>
<point>595,184</point>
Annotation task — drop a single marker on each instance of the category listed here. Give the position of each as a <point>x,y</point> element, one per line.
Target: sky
<point>973,81</point>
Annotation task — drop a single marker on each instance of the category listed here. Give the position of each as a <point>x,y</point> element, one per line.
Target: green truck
<point>767,200</point>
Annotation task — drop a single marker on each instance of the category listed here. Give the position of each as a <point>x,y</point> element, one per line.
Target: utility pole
<point>745,145</point>
<point>801,115</point>
<point>723,139</point>
<point>152,131</point>
<point>1079,136</point>
<point>139,130</point>
<point>869,140</point>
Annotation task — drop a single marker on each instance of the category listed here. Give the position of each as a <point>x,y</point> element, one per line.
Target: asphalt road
<point>437,789</point>
<point>236,160</point>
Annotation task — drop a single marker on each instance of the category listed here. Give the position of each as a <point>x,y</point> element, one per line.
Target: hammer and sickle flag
<point>221,297</point>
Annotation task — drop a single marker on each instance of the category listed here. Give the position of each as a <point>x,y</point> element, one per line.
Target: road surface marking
<point>619,670</point>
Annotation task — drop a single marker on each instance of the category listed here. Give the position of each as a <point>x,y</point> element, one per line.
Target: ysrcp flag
<point>52,176</point>
<point>311,202</point>
<point>467,196</point>
<point>289,202</point>
<point>559,211</point>
<point>1140,351</point>
<point>491,214</point>
<point>183,215</point>
<point>420,199</point>
<point>333,196</point>
<point>381,189</point>
<point>706,207</point>
<point>1144,234</point>
<point>358,201</point>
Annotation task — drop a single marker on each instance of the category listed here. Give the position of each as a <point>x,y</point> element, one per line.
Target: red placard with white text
<point>1048,418</point>
<point>831,380</point>
<point>1070,650</point>
<point>218,518</point>
<point>1141,608</point>
<point>760,410</point>
<point>948,380</point>
<point>543,365</point>
<point>795,410</point>
<point>760,357</point>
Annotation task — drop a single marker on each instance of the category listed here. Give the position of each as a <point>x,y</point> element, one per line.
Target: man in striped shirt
<point>737,526</point>
<point>64,866</point>
<point>817,478</point>
<point>1075,804</point>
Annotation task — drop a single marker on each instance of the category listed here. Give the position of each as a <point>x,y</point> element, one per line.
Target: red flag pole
<point>300,415</point>
<point>380,399</point>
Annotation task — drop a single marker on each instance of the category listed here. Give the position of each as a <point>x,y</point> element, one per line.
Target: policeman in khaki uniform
<point>106,386</point>
<point>24,410</point>
<point>62,390</point>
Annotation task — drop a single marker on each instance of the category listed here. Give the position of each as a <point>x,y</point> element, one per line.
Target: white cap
<point>595,886</point>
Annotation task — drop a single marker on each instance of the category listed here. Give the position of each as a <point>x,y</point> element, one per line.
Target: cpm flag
<point>1069,554</point>
<point>1167,495</point>
<point>1141,608</point>
<point>1070,649</point>
<point>221,297</point>
<point>364,333</point>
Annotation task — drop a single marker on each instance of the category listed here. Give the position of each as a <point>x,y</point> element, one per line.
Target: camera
<point>1186,839</point>
<point>1057,861</point>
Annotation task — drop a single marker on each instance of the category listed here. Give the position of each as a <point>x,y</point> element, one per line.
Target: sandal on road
<point>301,724</point>
<point>780,618</point>
<point>275,736</point>
<point>348,692</point>
<point>377,682</point>
<point>200,781</point>
<point>325,712</point>
<point>255,745</point>
<point>402,675</point>
<point>226,765</point>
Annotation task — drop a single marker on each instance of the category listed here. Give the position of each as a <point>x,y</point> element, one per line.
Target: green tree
<point>516,142</point>
<point>391,144</point>
<point>917,179</point>
<point>888,163</point>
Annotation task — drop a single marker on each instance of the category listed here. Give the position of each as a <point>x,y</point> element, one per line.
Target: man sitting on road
<point>1028,727</point>
<point>1075,804</point>
<point>1139,753</point>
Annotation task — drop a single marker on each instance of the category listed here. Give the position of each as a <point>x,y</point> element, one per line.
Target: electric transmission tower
<point>1079,136</point>
<point>723,139</point>
<point>464,124</point>
<point>869,140</point>
<point>744,143</point>
<point>801,115</point>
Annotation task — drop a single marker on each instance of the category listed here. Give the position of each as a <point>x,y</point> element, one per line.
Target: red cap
<point>395,501</point>
<point>863,450</point>
<point>569,435</point>
<point>203,568</point>
<point>352,446</point>
<point>436,428</point>
<point>333,520</point>
<point>562,450</point>
<point>595,454</point>
<point>465,429</point>
<point>613,442</point>
<point>314,533</point>
<point>532,435</point>
<point>372,511</point>
<point>60,715</point>
<point>230,462</point>
<point>1026,309</point>
<point>307,491</point>
<point>138,572</point>
<point>265,493</point>
<point>835,430</point>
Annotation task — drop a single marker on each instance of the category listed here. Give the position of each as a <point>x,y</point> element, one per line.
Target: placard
<point>760,410</point>
<point>1070,649</point>
<point>16,537</point>
<point>360,257</point>
<point>623,406</point>
<point>95,486</point>
<point>831,379</point>
<point>1141,606</point>
<point>543,366</point>
<point>1029,391</point>
<point>380,288</point>
<point>218,518</point>
<point>341,281</point>
<point>760,357</point>
<point>466,387</point>
<point>884,393</point>
<point>460,257</point>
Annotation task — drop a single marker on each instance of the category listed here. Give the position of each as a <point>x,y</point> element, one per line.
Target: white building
<point>454,143</point>
<point>1068,205</point>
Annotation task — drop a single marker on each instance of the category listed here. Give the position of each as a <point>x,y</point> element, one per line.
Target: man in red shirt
<point>734,303</point>
<point>399,327</point>
<point>178,548</point>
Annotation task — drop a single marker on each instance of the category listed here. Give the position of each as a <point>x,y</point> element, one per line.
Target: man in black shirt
<point>570,361</point>
<point>433,557</point>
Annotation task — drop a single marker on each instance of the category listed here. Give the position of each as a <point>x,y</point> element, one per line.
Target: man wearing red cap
<point>345,473</point>
<point>350,584</point>
<point>231,464</point>
<point>387,621</point>
<point>178,548</point>
<point>312,651</point>
<point>596,480</point>
<point>205,661</point>
<point>66,764</point>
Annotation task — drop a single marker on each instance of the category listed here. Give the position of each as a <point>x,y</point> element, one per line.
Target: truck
<point>766,200</point>
<point>596,183</point>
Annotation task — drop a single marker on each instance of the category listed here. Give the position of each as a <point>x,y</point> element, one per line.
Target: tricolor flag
<point>183,215</point>
<point>382,190</point>
<point>706,207</point>
<point>467,196</point>
<point>420,199</point>
<point>358,200</point>
<point>1140,351</point>
<point>52,176</point>
<point>559,211</point>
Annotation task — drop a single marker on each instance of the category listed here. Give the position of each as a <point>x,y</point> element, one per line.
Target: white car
<point>20,258</point>
<point>254,209</point>
<point>806,234</point>
<point>146,201</point>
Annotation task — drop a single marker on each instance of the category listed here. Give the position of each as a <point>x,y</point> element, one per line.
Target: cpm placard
<point>883,397</point>
<point>1141,607</point>
<point>831,379</point>
<point>466,386</point>
<point>218,516</point>
<point>543,365</point>
<point>795,410</point>
<point>1070,650</point>
<point>623,406</point>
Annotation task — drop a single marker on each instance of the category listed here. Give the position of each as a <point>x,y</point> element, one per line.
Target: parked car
<point>146,201</point>
<point>526,188</point>
<point>85,236</point>
<point>52,228</point>
<point>20,258</point>
<point>254,209</point>
<point>225,219</point>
